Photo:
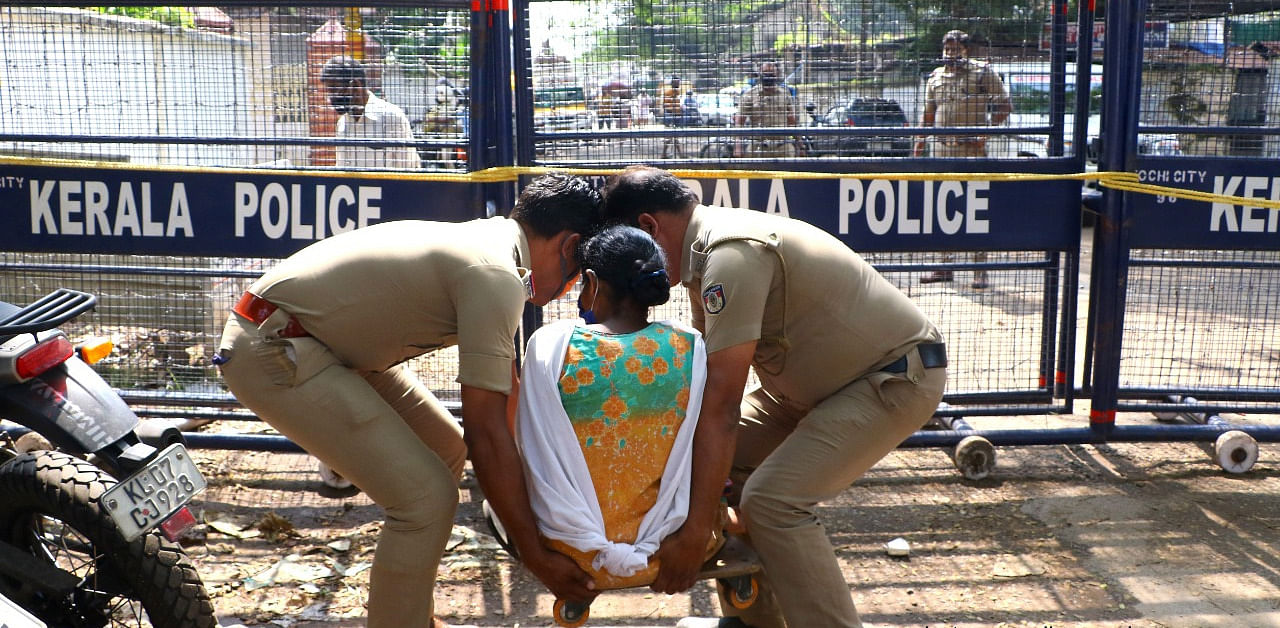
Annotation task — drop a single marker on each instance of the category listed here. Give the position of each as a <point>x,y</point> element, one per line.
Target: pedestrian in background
<point>362,115</point>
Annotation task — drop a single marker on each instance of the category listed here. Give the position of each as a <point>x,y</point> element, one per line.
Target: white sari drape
<point>560,487</point>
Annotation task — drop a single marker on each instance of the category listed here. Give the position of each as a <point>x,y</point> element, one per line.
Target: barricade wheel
<point>975,457</point>
<point>1235,451</point>
<point>741,591</point>
<point>570,614</point>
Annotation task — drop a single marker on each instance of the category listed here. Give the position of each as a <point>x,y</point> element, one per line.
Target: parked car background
<point>716,109</point>
<point>861,112</point>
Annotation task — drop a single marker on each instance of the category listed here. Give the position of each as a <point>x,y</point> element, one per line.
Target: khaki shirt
<point>822,315</point>
<point>768,106</point>
<point>383,294</point>
<point>963,94</point>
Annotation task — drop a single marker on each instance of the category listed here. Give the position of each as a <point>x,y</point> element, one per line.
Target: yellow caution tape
<point>1122,181</point>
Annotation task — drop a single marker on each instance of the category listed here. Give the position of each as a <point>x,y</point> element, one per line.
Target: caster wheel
<point>975,457</point>
<point>1235,451</point>
<point>570,614</point>
<point>741,591</point>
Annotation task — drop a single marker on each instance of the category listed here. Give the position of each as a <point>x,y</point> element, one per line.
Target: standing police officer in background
<point>848,366</point>
<point>768,104</point>
<point>962,92</point>
<point>315,348</point>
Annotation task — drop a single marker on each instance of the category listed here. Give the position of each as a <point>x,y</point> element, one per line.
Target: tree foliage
<point>996,22</point>
<point>172,16</point>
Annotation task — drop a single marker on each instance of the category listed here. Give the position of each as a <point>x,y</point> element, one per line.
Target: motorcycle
<point>92,501</point>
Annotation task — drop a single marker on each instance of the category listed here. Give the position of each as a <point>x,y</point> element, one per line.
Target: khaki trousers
<point>792,458</point>
<point>963,149</point>
<point>940,148</point>
<point>383,431</point>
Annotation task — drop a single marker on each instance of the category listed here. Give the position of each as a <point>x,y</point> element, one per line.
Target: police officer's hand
<point>562,576</point>
<point>681,556</point>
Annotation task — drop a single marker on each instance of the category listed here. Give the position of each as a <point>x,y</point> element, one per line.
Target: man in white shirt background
<point>363,115</point>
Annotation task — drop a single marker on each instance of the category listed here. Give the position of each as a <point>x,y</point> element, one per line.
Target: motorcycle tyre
<point>159,574</point>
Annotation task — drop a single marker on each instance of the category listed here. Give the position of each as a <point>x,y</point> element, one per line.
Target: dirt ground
<point>1144,535</point>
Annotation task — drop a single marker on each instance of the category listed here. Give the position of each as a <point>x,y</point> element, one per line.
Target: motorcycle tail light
<point>44,356</point>
<point>94,349</point>
<point>177,524</point>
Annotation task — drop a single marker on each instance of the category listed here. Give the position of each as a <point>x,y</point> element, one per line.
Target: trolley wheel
<point>570,614</point>
<point>975,457</point>
<point>741,591</point>
<point>1235,451</point>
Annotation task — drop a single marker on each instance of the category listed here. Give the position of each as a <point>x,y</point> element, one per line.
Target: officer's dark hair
<point>341,69</point>
<point>644,189</point>
<point>555,202</point>
<point>958,36</point>
<point>631,263</point>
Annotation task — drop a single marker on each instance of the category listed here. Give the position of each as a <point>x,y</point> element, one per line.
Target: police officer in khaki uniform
<point>768,104</point>
<point>315,347</point>
<point>962,92</point>
<point>848,368</point>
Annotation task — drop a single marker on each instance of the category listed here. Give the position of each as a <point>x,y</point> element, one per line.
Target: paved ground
<point>1143,535</point>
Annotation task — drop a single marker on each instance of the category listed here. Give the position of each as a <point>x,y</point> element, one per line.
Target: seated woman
<point>607,412</point>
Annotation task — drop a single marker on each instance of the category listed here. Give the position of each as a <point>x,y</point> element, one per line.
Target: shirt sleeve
<point>406,156</point>
<point>490,300</point>
<point>735,286</point>
<point>992,85</point>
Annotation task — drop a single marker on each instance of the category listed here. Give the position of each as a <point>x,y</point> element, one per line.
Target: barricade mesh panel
<point>236,87</point>
<point>1211,78</point>
<point>994,336</point>
<point>164,314</point>
<point>1203,323</point>
<point>687,80</point>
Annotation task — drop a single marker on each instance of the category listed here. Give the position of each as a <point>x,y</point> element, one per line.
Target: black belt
<point>932,355</point>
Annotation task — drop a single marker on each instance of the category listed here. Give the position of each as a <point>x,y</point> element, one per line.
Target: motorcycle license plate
<point>146,498</point>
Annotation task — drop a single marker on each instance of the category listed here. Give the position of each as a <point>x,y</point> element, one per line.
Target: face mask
<point>343,103</point>
<point>768,81</point>
<point>585,311</point>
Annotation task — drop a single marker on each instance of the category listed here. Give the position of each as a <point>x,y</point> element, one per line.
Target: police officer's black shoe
<point>938,276</point>
<point>980,281</point>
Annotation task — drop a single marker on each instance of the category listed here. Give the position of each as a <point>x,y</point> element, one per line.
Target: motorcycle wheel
<point>49,508</point>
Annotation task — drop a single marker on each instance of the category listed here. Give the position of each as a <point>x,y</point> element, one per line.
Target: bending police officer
<point>848,368</point>
<point>315,348</point>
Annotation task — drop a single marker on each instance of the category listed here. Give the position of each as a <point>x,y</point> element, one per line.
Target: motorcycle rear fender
<point>71,405</point>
